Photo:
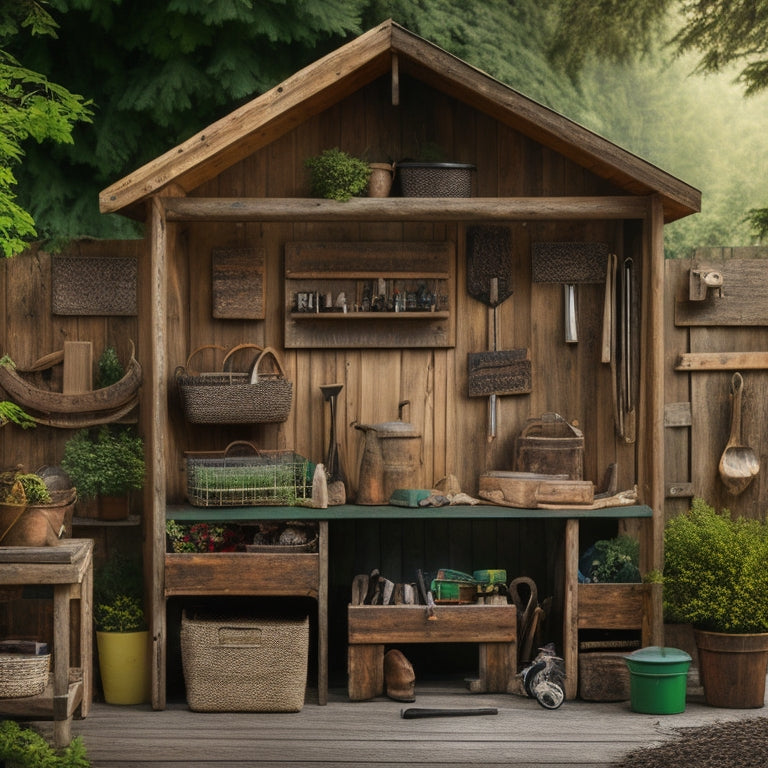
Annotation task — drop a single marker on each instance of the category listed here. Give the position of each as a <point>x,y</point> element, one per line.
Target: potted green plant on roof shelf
<point>122,637</point>
<point>337,175</point>
<point>715,578</point>
<point>106,464</point>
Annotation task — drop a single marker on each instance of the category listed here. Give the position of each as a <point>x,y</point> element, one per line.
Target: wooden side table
<point>68,567</point>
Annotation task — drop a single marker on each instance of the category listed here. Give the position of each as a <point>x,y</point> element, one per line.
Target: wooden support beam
<point>721,361</point>
<point>406,209</point>
<point>395,80</point>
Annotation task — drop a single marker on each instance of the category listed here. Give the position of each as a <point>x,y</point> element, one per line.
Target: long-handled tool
<point>412,713</point>
<point>489,280</point>
<point>739,463</point>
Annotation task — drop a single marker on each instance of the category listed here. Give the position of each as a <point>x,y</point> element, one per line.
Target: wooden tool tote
<point>235,397</point>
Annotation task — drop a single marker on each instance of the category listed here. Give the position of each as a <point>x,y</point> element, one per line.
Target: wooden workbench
<point>639,605</point>
<point>68,567</point>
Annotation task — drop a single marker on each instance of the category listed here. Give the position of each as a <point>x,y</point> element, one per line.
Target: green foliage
<point>31,107</point>
<point>123,614</point>
<point>715,574</point>
<point>159,72</point>
<point>109,463</point>
<point>24,748</point>
<point>119,576</point>
<point>118,592</point>
<point>9,411</point>
<point>34,487</point>
<point>337,175</point>
<point>615,560</point>
<point>110,369</point>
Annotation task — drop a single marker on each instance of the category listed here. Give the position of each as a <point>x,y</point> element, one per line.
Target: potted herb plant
<point>715,578</point>
<point>106,464</point>
<point>122,637</point>
<point>336,175</point>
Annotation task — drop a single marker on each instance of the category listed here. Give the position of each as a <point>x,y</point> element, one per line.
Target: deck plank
<point>373,734</point>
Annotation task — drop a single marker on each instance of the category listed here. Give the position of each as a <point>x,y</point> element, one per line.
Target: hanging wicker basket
<point>236,397</point>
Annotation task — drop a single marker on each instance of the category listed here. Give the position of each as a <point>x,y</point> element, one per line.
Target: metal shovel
<point>738,464</point>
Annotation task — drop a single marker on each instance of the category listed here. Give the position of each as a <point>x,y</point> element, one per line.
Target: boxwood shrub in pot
<point>715,578</point>
<point>106,463</point>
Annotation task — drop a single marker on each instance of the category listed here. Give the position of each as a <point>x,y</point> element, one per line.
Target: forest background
<point>157,73</point>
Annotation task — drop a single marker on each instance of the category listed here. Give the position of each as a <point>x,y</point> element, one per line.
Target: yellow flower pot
<point>124,666</point>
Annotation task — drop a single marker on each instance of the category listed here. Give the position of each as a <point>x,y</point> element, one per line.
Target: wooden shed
<point>232,237</point>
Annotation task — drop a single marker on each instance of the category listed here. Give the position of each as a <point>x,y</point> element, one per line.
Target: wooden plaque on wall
<point>87,285</point>
<point>238,283</point>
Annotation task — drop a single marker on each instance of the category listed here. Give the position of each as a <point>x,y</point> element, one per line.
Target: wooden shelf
<point>418,316</point>
<point>188,513</point>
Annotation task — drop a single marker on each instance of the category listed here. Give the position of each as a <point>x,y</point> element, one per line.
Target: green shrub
<point>123,614</point>
<point>24,748</point>
<point>335,175</point>
<point>109,463</point>
<point>615,560</point>
<point>715,574</point>
<point>110,369</point>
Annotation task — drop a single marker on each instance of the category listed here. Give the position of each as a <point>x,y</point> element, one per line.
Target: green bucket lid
<point>656,654</point>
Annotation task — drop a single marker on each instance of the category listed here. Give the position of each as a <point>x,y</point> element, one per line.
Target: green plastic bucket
<point>657,680</point>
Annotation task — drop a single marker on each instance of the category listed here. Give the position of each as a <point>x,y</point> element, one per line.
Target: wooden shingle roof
<point>354,65</point>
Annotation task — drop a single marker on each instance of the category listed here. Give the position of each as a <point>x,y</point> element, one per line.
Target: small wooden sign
<point>238,283</point>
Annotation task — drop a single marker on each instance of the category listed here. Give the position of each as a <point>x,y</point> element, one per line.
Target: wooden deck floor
<point>372,734</point>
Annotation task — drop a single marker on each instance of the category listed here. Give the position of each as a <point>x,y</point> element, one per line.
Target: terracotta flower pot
<point>381,179</point>
<point>733,668</point>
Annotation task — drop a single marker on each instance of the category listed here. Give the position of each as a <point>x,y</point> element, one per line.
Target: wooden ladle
<point>738,464</point>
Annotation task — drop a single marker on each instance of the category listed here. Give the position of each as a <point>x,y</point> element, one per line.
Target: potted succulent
<point>336,175</point>
<point>122,637</point>
<point>106,464</point>
<point>715,579</point>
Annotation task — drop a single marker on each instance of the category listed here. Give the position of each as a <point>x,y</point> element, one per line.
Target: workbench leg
<point>322,615</point>
<point>498,665</point>
<point>86,641</point>
<point>571,609</point>
<point>62,720</point>
<point>366,671</point>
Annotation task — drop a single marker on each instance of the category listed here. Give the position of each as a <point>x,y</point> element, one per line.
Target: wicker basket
<point>232,479</point>
<point>435,179</point>
<point>244,664</point>
<point>235,397</point>
<point>23,674</point>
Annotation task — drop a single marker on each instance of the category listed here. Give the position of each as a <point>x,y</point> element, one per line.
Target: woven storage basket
<point>23,674</point>
<point>244,664</point>
<point>256,478</point>
<point>435,179</point>
<point>235,397</point>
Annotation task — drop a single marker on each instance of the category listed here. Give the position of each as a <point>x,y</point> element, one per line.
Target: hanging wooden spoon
<point>738,464</point>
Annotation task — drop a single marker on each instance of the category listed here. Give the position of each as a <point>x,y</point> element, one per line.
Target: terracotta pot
<point>733,668</point>
<point>381,179</point>
<point>113,507</point>
<point>42,524</point>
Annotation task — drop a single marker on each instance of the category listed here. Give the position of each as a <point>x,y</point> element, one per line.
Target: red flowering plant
<point>203,537</point>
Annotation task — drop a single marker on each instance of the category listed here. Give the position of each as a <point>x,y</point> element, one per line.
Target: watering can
<point>391,459</point>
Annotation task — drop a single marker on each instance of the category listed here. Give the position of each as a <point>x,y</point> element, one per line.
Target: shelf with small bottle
<point>367,286</point>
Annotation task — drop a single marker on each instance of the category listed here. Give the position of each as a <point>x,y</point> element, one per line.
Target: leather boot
<point>399,678</point>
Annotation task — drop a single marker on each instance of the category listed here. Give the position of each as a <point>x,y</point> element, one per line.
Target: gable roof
<point>354,65</point>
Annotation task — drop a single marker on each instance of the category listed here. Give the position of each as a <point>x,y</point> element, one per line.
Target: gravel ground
<point>735,744</point>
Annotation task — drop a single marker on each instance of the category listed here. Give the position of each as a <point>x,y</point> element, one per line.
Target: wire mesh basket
<point>231,478</point>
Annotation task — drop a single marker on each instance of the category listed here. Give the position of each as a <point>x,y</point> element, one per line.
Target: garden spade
<point>738,464</point>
